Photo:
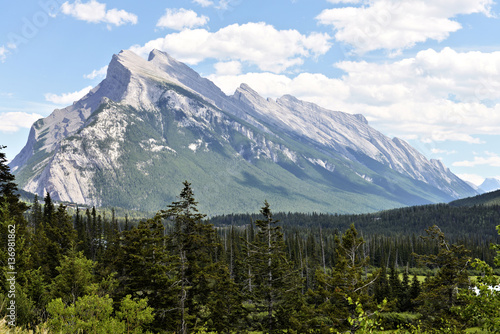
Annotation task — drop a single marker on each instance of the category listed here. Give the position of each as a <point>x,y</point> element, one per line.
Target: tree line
<point>178,273</point>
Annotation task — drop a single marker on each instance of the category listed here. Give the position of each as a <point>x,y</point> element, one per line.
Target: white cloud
<point>449,93</point>
<point>223,4</point>
<point>95,12</point>
<point>179,19</point>
<point>257,44</point>
<point>472,178</point>
<point>13,121</point>
<point>3,53</point>
<point>67,98</point>
<point>398,24</point>
<point>100,73</point>
<point>228,68</point>
<point>204,3</point>
<point>491,159</point>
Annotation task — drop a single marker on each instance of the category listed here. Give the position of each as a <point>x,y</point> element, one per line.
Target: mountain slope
<point>490,198</point>
<point>152,124</point>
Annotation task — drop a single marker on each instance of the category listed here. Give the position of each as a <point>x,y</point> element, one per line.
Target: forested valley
<point>402,271</point>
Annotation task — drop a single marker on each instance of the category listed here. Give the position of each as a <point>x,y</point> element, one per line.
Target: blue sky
<point>427,71</point>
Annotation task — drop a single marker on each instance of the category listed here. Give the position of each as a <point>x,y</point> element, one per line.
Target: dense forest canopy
<point>178,272</point>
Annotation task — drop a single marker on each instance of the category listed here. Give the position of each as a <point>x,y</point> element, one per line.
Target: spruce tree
<point>339,290</point>
<point>8,188</point>
<point>404,297</point>
<point>35,215</point>
<point>394,283</point>
<point>194,243</point>
<point>439,294</point>
<point>414,292</point>
<point>275,282</point>
<point>381,289</point>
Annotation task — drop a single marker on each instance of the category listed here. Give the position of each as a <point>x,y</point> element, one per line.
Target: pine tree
<point>381,289</point>
<point>146,269</point>
<point>48,210</point>
<point>439,294</point>
<point>36,215</point>
<point>394,283</point>
<point>275,281</point>
<point>339,291</point>
<point>41,256</point>
<point>8,188</point>
<point>414,292</point>
<point>195,245</point>
<point>112,251</point>
<point>404,297</point>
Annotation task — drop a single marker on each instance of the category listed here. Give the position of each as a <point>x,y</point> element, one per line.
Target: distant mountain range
<point>489,185</point>
<point>151,124</point>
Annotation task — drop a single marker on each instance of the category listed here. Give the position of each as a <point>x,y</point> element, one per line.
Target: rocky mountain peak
<point>163,60</point>
<point>186,76</point>
<point>246,94</point>
<point>490,184</point>
<point>361,118</point>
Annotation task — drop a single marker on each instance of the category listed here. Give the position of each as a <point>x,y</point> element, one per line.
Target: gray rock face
<point>157,121</point>
<point>490,184</point>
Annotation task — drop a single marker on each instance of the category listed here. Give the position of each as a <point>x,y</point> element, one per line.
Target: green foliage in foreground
<point>94,314</point>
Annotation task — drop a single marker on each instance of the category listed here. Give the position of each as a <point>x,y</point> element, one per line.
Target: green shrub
<point>393,320</point>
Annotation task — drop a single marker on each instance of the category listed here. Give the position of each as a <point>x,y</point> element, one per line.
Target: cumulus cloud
<point>434,96</point>
<point>95,12</point>
<point>445,95</point>
<point>100,73</point>
<point>257,44</point>
<point>67,98</point>
<point>179,19</point>
<point>398,24</point>
<point>466,77</point>
<point>14,121</point>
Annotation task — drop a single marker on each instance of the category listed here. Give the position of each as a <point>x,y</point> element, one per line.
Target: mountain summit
<point>151,124</point>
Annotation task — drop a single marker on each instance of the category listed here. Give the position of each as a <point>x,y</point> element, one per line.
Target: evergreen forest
<point>428,269</point>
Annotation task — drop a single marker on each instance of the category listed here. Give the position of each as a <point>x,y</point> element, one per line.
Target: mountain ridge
<point>489,185</point>
<point>158,118</point>
<point>491,198</point>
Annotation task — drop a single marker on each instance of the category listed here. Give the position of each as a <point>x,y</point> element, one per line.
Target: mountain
<point>151,124</point>
<point>489,185</point>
